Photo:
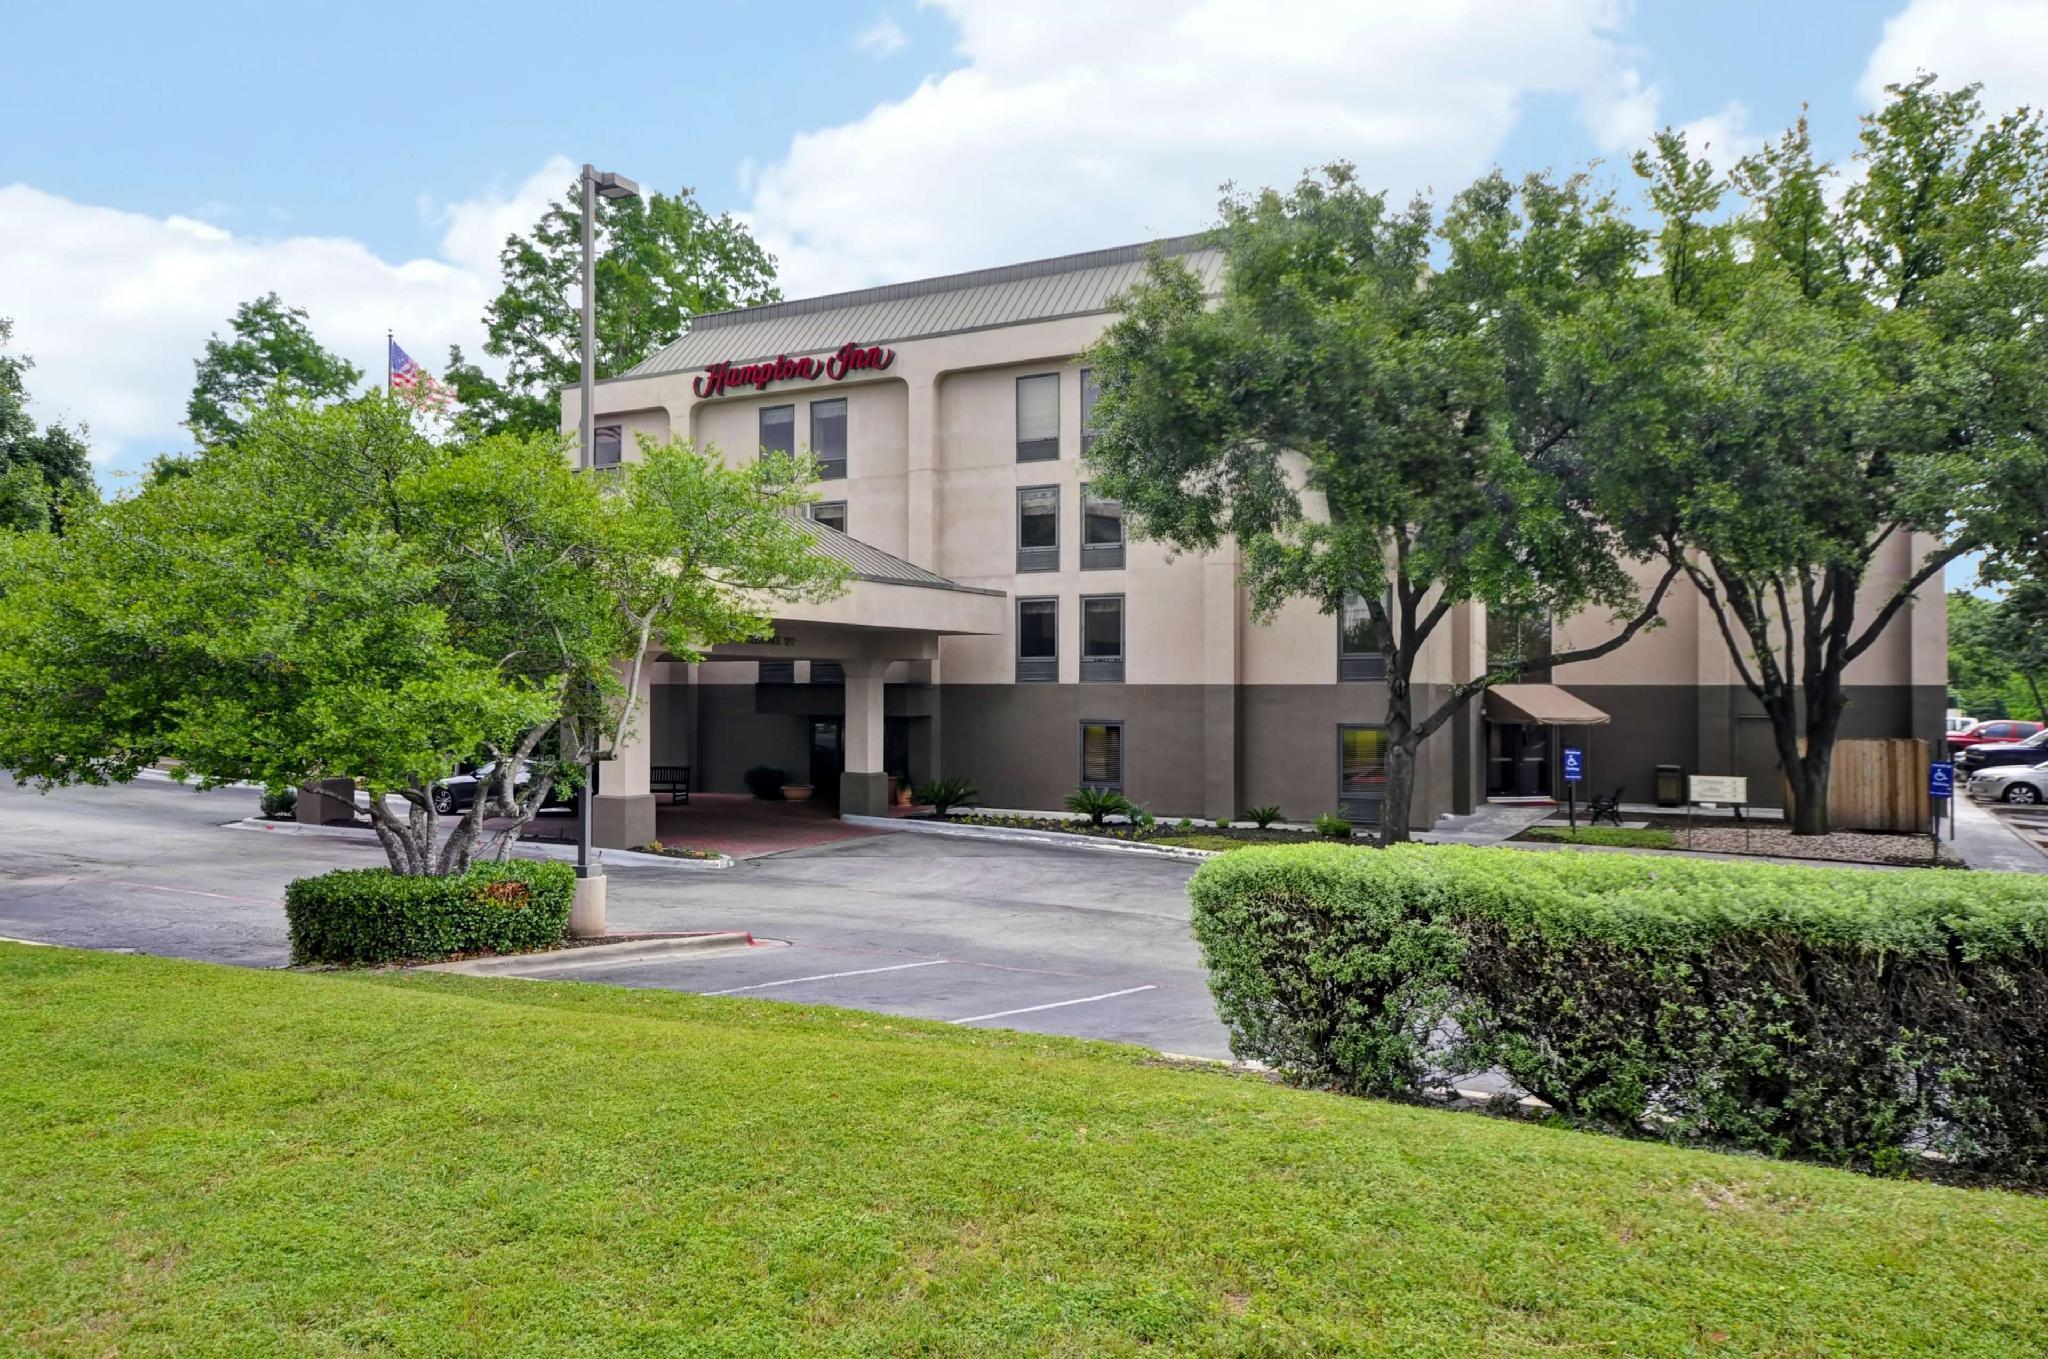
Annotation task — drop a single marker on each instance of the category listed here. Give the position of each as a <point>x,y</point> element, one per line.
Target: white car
<point>2022,785</point>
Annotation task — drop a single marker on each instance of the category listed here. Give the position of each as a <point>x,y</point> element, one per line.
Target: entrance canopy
<point>1541,703</point>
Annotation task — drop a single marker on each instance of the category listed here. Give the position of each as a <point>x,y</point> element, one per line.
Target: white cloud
<point>1723,138</point>
<point>1998,42</point>
<point>115,306</point>
<point>1071,124</point>
<point>882,38</point>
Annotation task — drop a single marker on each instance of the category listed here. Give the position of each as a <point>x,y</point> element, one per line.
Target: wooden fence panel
<point>1878,786</point>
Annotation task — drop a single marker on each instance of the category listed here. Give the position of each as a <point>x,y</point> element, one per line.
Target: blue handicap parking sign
<point>1941,780</point>
<point>1574,764</point>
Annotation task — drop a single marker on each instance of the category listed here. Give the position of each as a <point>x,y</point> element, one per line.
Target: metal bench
<point>673,779</point>
<point>1609,807</point>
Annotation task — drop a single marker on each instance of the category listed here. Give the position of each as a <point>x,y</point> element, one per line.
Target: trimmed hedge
<point>372,915</point>
<point>1857,1017</point>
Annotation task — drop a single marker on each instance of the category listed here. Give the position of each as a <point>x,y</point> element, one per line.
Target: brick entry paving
<point>733,823</point>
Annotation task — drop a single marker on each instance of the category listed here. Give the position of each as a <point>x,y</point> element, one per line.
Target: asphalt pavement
<point>1090,944</point>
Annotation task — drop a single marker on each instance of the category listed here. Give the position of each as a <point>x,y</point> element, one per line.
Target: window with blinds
<point>1361,772</point>
<point>831,513</point>
<point>1088,393</point>
<point>1102,533</point>
<point>828,437</point>
<point>1038,528</point>
<point>607,445</point>
<point>778,430</point>
<point>1038,641</point>
<point>1038,418</point>
<point>1102,754</point>
<point>1102,638</point>
<point>1358,647</point>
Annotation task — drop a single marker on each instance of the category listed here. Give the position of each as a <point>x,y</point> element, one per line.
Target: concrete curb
<point>595,955</point>
<point>1016,836</point>
<point>542,849</point>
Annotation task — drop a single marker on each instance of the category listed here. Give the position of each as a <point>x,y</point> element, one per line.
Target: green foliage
<point>279,801</point>
<point>1641,837</point>
<point>272,351</point>
<point>1184,824</point>
<point>1837,1014</point>
<point>1331,826</point>
<point>660,261</point>
<point>40,469</point>
<point>943,795</point>
<point>765,783</point>
<point>1262,817</point>
<point>1098,804</point>
<point>372,915</point>
<point>1998,652</point>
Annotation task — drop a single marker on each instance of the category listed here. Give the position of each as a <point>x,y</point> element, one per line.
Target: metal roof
<point>1070,285</point>
<point>868,562</point>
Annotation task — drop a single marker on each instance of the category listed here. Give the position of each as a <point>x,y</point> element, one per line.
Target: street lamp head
<point>614,187</point>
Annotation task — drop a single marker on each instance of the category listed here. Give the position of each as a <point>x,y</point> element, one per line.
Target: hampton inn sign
<point>851,358</point>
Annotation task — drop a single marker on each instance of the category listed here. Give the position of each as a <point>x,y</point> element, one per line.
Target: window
<point>1038,418</point>
<point>1516,635</point>
<point>778,429</point>
<point>828,672</point>
<point>1102,755</point>
<point>607,445</point>
<point>1361,773</point>
<point>1358,646</point>
<point>778,672</point>
<point>1088,393</point>
<point>1038,528</point>
<point>830,513</point>
<point>1102,533</point>
<point>1102,638</point>
<point>1038,641</point>
<point>828,437</point>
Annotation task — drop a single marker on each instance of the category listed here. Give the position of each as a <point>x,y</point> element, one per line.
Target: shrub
<point>1641,837</point>
<point>280,802</point>
<point>765,783</point>
<point>943,795</point>
<point>372,915</point>
<point>1143,819</point>
<point>1184,824</point>
<point>1222,823</point>
<point>1841,1015</point>
<point>1262,817</point>
<point>1333,827</point>
<point>1098,804</point>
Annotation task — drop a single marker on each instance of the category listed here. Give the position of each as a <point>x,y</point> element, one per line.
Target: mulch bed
<point>1250,835</point>
<point>1722,835</point>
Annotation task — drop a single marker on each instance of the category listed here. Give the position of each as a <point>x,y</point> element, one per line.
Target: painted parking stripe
<point>1058,1004</point>
<point>823,976</point>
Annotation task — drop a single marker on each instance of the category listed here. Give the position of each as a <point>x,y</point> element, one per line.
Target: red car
<point>1998,730</point>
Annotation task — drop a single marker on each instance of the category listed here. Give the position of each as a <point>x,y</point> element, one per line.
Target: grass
<point>1648,837</point>
<point>201,1161</point>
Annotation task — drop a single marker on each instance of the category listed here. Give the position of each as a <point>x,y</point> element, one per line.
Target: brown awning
<point>1544,703</point>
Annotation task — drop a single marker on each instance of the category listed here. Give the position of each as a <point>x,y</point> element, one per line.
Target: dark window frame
<point>1116,785</point>
<point>1089,392</point>
<point>1358,666</point>
<point>1038,450</point>
<point>1038,558</point>
<point>598,435</point>
<point>776,672</point>
<point>1037,669</point>
<point>831,469</point>
<point>761,428</point>
<point>1105,669</point>
<point>839,505</point>
<point>1347,805</point>
<point>828,672</point>
<point>1101,556</point>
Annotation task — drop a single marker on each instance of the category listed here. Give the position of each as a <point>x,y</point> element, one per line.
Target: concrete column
<point>921,532</point>
<point>864,785</point>
<point>623,814</point>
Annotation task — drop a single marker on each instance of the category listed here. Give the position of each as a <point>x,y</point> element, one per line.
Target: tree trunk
<point>1400,786</point>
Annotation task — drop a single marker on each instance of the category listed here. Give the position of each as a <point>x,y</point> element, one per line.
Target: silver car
<point>2022,785</point>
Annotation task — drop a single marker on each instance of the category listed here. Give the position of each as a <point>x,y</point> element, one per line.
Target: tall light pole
<point>586,915</point>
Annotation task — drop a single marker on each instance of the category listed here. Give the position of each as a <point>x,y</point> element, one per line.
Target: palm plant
<point>1098,804</point>
<point>943,795</point>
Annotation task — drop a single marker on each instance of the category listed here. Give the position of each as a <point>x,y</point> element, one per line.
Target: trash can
<point>1670,785</point>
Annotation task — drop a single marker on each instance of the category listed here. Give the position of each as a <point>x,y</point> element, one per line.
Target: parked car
<point>2033,750</point>
<point>1992,731</point>
<point>456,794</point>
<point>2022,785</point>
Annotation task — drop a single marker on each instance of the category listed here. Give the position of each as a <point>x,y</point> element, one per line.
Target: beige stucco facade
<point>1216,710</point>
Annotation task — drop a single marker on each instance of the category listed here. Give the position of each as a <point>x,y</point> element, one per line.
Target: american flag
<point>404,372</point>
<point>420,386</point>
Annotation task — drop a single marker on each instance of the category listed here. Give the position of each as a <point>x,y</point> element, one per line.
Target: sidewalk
<point>1985,840</point>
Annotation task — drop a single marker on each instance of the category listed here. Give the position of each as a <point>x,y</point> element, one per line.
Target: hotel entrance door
<point>1517,759</point>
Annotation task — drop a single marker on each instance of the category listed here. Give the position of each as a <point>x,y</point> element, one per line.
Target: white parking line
<point>1057,1004</point>
<point>822,976</point>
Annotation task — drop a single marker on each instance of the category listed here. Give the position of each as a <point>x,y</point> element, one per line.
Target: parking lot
<point>1090,944</point>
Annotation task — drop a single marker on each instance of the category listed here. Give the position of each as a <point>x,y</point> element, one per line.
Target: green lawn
<point>1640,837</point>
<point>200,1161</point>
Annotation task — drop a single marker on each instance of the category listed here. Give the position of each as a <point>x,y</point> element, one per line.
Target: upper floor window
<point>778,429</point>
<point>1517,635</point>
<point>1038,640</point>
<point>828,436</point>
<point>831,513</point>
<point>607,445</point>
<point>1102,637</point>
<point>1358,645</point>
<point>1102,532</point>
<point>1038,418</point>
<point>1088,394</point>
<point>1038,528</point>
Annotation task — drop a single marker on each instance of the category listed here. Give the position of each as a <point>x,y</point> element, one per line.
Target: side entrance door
<point>828,756</point>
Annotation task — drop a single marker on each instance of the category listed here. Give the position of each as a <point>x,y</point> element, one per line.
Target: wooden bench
<point>673,779</point>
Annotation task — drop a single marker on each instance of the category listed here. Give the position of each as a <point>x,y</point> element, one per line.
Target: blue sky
<point>169,166</point>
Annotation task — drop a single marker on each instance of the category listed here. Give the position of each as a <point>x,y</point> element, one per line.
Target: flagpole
<point>387,363</point>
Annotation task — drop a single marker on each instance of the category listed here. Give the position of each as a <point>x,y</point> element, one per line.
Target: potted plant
<point>796,792</point>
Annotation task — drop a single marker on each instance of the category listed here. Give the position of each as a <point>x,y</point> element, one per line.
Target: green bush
<point>1098,804</point>
<point>943,795</point>
<point>279,802</point>
<point>1843,1015</point>
<point>1333,827</point>
<point>1262,817</point>
<point>765,783</point>
<point>372,915</point>
<point>1639,837</point>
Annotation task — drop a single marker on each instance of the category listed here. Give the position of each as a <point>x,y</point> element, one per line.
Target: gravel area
<point>1861,847</point>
